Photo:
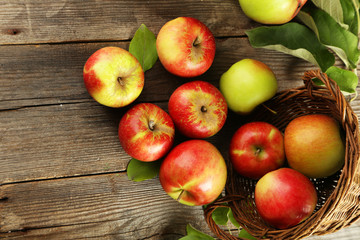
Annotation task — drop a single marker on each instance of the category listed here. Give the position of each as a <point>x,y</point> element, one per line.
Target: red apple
<point>146,132</point>
<point>314,145</point>
<point>194,173</point>
<point>186,47</point>
<point>113,77</point>
<point>257,148</point>
<point>198,109</point>
<point>285,197</point>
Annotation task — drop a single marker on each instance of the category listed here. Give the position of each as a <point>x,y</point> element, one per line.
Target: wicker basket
<point>338,195</point>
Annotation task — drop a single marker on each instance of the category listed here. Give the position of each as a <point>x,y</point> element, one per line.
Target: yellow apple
<point>271,11</point>
<point>314,145</point>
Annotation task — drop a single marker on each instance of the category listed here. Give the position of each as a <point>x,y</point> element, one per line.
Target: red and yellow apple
<point>113,77</point>
<point>257,148</point>
<point>285,197</point>
<point>193,173</point>
<point>186,47</point>
<point>146,132</point>
<point>246,84</point>
<point>198,109</point>
<point>314,145</point>
<point>271,11</point>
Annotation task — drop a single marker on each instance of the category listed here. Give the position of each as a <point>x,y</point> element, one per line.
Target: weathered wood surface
<point>68,21</point>
<point>62,169</point>
<point>106,206</point>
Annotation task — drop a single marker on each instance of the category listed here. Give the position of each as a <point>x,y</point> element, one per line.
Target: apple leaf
<point>232,219</point>
<point>245,235</point>
<point>333,8</point>
<point>344,12</point>
<point>351,15</point>
<point>221,215</point>
<point>139,171</point>
<point>330,33</point>
<point>194,234</point>
<point>294,39</point>
<point>143,47</point>
<point>347,80</point>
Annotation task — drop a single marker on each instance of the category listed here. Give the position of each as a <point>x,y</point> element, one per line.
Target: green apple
<point>271,11</point>
<point>247,84</point>
<point>314,145</point>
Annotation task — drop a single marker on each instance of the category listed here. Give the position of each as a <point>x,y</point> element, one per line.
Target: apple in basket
<point>186,47</point>
<point>314,145</point>
<point>271,11</point>
<point>113,77</point>
<point>146,132</point>
<point>257,148</point>
<point>285,197</point>
<point>246,84</point>
<point>193,173</point>
<point>198,109</point>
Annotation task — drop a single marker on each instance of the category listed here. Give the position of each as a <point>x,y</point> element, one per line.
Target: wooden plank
<point>52,74</point>
<point>25,22</point>
<point>106,206</point>
<point>97,207</point>
<point>59,140</point>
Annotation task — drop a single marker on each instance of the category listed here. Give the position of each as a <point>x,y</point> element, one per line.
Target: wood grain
<point>29,22</point>
<point>107,206</point>
<point>62,169</point>
<point>59,140</point>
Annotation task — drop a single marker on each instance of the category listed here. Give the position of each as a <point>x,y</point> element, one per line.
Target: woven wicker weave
<point>338,195</point>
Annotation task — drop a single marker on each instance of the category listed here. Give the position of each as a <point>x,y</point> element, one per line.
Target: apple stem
<point>120,81</point>
<point>180,195</point>
<point>300,4</point>
<point>196,42</point>
<point>272,111</point>
<point>203,109</point>
<point>258,151</point>
<point>151,125</point>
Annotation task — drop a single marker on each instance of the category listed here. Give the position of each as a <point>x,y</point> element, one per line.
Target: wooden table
<point>62,169</point>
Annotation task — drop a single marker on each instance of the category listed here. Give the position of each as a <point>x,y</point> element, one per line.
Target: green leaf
<point>351,15</point>
<point>344,12</point>
<point>143,47</point>
<point>220,215</point>
<point>295,39</point>
<point>346,80</point>
<point>343,42</point>
<point>333,8</point>
<point>232,219</point>
<point>139,171</point>
<point>244,234</point>
<point>194,234</point>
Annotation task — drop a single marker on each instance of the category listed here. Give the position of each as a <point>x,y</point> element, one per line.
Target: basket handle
<point>330,84</point>
<point>332,88</point>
